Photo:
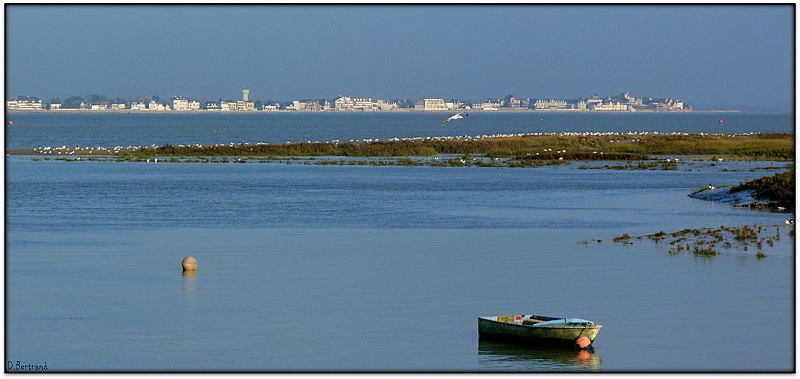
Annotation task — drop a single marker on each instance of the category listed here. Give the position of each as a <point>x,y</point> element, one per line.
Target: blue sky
<point>712,56</point>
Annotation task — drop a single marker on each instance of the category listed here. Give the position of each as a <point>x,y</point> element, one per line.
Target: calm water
<point>352,268</point>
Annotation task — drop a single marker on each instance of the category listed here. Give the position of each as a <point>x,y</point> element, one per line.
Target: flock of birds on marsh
<point>99,150</point>
<point>64,150</point>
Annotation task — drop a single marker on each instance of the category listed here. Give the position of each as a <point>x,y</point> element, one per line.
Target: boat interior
<point>524,319</point>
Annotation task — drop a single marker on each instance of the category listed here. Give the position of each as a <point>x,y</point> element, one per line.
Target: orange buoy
<point>583,342</point>
<point>189,263</point>
<point>11,123</point>
<point>720,121</point>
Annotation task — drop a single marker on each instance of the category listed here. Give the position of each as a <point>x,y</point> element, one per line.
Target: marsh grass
<point>704,250</point>
<point>525,147</point>
<point>628,152</point>
<point>778,187</point>
<point>706,241</point>
<point>752,146</point>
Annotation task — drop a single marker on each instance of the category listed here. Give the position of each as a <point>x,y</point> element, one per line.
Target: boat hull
<point>555,331</point>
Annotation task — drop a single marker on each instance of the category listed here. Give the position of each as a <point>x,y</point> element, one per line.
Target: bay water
<point>306,268</point>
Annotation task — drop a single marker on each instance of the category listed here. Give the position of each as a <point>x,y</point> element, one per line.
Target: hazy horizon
<point>710,56</point>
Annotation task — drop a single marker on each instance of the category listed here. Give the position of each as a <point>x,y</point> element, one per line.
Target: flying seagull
<point>455,117</point>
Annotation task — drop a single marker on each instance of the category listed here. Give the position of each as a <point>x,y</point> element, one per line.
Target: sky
<point>710,56</point>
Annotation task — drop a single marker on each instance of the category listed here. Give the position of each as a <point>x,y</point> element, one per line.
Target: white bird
<point>455,117</point>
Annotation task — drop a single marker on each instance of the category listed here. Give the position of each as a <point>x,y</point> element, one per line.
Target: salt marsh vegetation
<point>539,146</point>
<point>627,151</point>
<point>709,241</point>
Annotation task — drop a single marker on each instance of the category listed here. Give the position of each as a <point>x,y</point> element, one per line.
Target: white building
<point>431,105</point>
<point>138,106</point>
<point>28,105</point>
<point>304,106</point>
<point>453,105</point>
<point>242,105</point>
<point>549,104</point>
<point>343,103</point>
<point>363,103</point>
<point>383,105</point>
<point>347,103</point>
<point>590,102</point>
<point>227,106</point>
<point>154,106</point>
<point>488,105</point>
<point>179,103</point>
<point>235,106</point>
<point>609,107</point>
<point>512,101</point>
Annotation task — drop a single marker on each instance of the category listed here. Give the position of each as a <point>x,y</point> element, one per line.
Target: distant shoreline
<point>533,111</point>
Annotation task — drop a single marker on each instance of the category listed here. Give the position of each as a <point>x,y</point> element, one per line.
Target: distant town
<point>102,103</point>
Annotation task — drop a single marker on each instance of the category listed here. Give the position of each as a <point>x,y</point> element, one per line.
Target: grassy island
<point>777,188</point>
<point>568,146</point>
<point>522,148</point>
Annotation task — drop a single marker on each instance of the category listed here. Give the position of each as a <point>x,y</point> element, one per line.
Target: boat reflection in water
<point>501,356</point>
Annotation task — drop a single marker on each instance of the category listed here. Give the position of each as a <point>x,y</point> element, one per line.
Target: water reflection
<point>189,284</point>
<point>499,356</point>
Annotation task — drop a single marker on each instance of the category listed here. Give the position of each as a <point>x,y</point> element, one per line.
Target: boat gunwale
<point>548,323</point>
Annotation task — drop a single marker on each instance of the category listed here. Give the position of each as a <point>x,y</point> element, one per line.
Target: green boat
<point>537,330</point>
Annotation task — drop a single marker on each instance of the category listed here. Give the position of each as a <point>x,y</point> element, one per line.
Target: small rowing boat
<point>539,330</point>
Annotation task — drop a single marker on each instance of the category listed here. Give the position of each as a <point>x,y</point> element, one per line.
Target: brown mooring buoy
<point>583,342</point>
<point>189,264</point>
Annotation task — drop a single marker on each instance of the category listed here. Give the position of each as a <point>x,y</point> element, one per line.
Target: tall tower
<point>245,94</point>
